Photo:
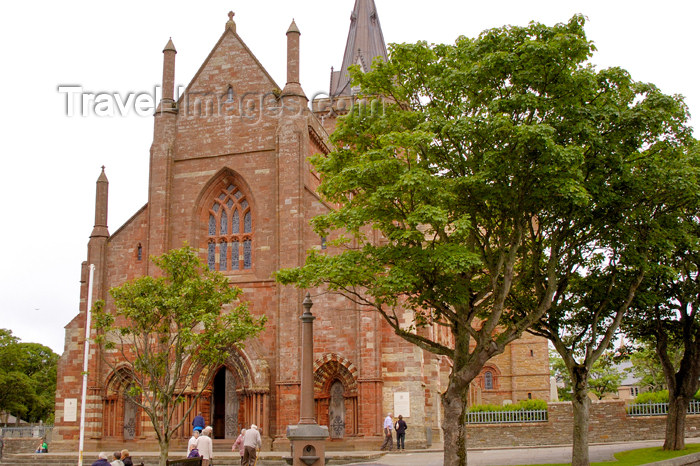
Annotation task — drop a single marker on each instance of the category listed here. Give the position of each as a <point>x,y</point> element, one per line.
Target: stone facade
<point>233,151</point>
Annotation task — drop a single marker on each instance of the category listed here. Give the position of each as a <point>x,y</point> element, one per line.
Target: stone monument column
<point>307,438</point>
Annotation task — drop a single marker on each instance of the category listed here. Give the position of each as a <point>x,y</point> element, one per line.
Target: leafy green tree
<point>491,165</point>
<point>165,330</point>
<point>27,378</point>
<point>605,376</point>
<point>646,366</point>
<point>667,316</point>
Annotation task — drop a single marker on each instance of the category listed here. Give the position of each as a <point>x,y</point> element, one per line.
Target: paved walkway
<point>514,456</point>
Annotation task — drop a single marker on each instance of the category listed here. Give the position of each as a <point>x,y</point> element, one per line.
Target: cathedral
<point>229,175</point>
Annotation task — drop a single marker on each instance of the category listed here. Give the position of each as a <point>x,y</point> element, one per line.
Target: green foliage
<point>604,378</point>
<point>652,397</point>
<point>495,181</point>
<point>164,330</point>
<point>524,405</point>
<point>27,378</point>
<point>647,367</point>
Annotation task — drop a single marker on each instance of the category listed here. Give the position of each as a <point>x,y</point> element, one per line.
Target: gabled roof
<point>365,42</point>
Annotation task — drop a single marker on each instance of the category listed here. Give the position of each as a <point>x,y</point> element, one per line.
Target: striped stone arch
<point>331,367</point>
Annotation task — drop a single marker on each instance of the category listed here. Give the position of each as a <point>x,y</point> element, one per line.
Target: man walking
<point>388,439</point>
<point>251,443</point>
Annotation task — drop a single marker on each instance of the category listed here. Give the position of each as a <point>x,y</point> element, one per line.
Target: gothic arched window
<point>230,235</point>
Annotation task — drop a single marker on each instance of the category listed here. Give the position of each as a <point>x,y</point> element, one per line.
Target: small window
<point>529,396</point>
<point>139,252</point>
<point>488,380</point>
<point>323,242</point>
<point>532,353</point>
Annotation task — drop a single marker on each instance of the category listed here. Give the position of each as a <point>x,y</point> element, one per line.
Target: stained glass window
<point>488,380</point>
<point>224,239</point>
<point>247,254</point>
<point>222,256</point>
<point>212,225</point>
<point>236,223</point>
<point>247,223</point>
<point>224,223</point>
<point>211,251</point>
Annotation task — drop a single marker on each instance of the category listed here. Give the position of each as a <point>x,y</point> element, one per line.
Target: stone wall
<point>608,423</point>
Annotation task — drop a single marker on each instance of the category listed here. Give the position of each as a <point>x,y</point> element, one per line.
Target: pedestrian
<point>126,458</point>
<point>192,442</point>
<point>117,459</point>
<point>101,460</point>
<point>252,443</point>
<point>388,439</point>
<point>198,422</point>
<point>238,445</point>
<point>400,427</point>
<point>204,446</point>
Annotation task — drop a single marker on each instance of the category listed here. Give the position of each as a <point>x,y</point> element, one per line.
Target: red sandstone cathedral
<point>229,175</point>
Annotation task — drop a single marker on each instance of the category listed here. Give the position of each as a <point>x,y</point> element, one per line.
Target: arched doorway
<point>225,405</point>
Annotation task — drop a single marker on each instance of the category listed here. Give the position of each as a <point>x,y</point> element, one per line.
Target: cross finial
<point>231,24</point>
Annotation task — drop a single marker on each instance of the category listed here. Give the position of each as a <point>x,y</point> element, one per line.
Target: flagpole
<point>85,366</point>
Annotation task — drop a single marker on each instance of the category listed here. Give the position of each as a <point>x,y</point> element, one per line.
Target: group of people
<point>248,443</point>
<point>119,458</point>
<point>400,426</point>
<point>200,445</point>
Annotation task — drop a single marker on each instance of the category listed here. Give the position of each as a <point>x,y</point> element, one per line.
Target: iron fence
<point>507,417</point>
<point>658,409</point>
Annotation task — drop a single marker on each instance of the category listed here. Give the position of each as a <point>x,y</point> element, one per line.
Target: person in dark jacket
<point>198,422</point>
<point>400,427</point>
<point>101,460</point>
<point>126,458</point>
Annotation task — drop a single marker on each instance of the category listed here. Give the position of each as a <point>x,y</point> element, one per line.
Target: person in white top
<point>204,446</point>
<point>192,442</point>
<point>388,439</point>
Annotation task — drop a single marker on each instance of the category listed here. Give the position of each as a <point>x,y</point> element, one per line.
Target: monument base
<point>308,445</point>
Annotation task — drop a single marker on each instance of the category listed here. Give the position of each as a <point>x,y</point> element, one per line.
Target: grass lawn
<point>642,456</point>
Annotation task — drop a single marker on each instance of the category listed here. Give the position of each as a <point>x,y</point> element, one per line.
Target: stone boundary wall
<point>608,423</point>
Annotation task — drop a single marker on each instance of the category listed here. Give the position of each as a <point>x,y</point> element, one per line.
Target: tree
<point>605,376</point>
<point>480,169</point>
<point>165,331</point>
<point>647,367</point>
<point>666,316</point>
<point>27,378</point>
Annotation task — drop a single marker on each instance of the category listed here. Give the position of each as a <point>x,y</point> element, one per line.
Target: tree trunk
<point>675,422</point>
<point>582,408</point>
<point>454,426</point>
<point>164,449</point>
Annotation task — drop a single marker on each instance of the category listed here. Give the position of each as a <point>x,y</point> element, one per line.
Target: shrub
<point>525,405</point>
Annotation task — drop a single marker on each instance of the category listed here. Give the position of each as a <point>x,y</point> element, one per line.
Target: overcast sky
<point>50,160</point>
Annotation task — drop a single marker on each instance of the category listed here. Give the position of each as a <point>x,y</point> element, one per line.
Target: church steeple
<point>365,42</point>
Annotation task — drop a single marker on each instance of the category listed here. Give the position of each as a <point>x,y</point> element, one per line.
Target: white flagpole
<point>85,366</point>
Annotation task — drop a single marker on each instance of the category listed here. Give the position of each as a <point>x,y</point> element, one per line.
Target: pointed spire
<point>101,194</point>
<point>293,27</point>
<point>167,100</point>
<point>365,43</point>
<point>293,88</point>
<point>231,24</point>
<point>170,47</point>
